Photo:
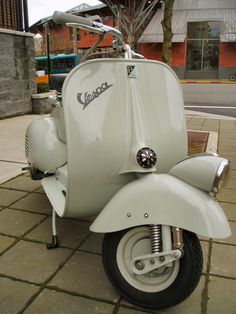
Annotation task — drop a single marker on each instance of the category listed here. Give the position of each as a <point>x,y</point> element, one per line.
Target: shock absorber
<point>178,241</point>
<point>156,239</point>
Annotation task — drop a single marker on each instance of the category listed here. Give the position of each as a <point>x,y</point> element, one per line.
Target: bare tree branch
<point>132,16</point>
<point>144,16</point>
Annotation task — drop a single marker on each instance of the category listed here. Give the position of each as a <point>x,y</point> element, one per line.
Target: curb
<point>206,82</point>
<point>206,115</point>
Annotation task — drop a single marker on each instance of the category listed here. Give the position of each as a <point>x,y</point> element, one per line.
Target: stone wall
<point>17,73</point>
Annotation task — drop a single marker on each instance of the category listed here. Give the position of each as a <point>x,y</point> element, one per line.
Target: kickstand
<point>55,241</point>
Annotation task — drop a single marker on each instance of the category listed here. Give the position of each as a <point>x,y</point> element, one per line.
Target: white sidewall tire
<point>168,292</point>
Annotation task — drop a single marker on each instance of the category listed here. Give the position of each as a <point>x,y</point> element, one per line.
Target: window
<point>62,65</point>
<point>203,46</point>
<point>41,65</point>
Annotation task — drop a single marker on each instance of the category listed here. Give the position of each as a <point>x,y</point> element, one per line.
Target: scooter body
<point>115,148</point>
<point>108,120</point>
<point>92,142</point>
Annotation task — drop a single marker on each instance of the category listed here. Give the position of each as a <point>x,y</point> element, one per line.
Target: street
<point>217,99</point>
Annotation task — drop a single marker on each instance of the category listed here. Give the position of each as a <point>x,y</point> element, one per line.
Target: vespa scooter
<point>115,147</point>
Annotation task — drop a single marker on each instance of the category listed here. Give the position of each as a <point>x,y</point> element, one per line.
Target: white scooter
<point>115,147</point>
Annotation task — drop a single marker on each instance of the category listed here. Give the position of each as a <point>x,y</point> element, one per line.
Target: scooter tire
<point>187,278</point>
<point>232,77</point>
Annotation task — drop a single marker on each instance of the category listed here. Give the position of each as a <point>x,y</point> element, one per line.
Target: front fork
<point>163,253</point>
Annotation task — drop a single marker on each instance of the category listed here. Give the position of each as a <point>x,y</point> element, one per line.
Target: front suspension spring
<point>156,240</point>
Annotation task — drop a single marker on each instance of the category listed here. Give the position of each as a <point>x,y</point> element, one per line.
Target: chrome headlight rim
<point>221,177</point>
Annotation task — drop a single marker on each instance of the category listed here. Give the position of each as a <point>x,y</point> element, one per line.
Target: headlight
<point>222,176</point>
<point>206,172</point>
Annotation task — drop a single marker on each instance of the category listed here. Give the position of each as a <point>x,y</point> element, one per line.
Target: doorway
<point>203,50</point>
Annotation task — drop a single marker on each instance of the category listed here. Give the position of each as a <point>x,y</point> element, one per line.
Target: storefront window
<point>203,46</point>
<point>203,30</point>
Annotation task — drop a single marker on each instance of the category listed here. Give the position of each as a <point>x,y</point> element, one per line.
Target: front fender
<point>163,199</point>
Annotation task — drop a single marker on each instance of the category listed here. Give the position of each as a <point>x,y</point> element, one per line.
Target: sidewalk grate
<point>197,142</point>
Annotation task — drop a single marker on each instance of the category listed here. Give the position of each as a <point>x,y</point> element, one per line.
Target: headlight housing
<point>207,172</point>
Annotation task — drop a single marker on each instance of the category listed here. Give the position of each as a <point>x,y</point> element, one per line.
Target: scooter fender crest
<point>163,199</point>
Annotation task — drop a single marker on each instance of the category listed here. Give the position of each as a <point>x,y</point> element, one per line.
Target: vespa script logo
<point>86,98</point>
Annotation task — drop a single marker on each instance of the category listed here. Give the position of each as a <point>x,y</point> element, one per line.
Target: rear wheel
<point>160,288</point>
<point>232,77</point>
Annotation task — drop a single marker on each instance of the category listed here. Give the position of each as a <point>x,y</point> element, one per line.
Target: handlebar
<point>91,25</point>
<point>63,18</point>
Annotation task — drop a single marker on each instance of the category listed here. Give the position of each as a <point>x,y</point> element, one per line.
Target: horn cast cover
<point>146,157</point>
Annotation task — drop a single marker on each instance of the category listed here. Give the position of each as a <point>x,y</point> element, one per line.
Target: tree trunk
<point>167,32</point>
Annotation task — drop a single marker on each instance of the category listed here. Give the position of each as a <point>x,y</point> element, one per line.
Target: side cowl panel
<point>44,151</point>
<point>163,199</point>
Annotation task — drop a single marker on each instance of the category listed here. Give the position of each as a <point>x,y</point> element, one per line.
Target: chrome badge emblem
<point>131,71</point>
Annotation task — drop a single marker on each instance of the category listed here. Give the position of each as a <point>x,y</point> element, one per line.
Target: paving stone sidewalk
<point>71,278</point>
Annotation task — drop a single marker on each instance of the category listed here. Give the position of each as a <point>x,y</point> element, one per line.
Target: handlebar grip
<point>62,18</point>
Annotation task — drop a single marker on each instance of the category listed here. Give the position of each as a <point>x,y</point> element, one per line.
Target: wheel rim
<point>134,243</point>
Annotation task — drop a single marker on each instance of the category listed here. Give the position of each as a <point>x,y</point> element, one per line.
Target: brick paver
<point>5,242</point>
<point>71,278</point>
<point>14,295</point>
<point>221,286</point>
<point>66,303</point>
<point>34,202</point>
<point>16,223</point>
<point>90,277</point>
<point>72,232</point>
<point>7,197</point>
<point>31,262</point>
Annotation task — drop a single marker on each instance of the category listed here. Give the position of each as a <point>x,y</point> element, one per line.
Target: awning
<point>154,34</point>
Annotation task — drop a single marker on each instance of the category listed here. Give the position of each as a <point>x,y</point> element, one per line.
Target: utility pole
<point>49,60</point>
<point>47,50</point>
<point>74,34</point>
<point>26,16</point>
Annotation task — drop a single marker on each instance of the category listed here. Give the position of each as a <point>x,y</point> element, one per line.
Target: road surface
<point>211,98</point>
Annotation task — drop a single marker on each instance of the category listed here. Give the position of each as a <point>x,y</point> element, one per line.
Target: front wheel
<point>160,288</point>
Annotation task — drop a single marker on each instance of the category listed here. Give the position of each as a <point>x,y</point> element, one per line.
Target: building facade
<point>203,43</point>
<point>204,38</point>
<point>14,15</point>
<point>67,40</point>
